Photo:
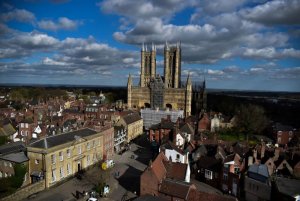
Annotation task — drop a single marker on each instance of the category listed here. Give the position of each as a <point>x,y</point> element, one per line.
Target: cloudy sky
<point>236,44</point>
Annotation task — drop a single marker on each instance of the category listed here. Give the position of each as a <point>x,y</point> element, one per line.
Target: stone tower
<point>129,92</point>
<point>148,65</point>
<point>172,66</point>
<point>188,97</point>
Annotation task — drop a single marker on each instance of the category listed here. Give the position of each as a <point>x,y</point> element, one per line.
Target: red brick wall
<point>149,183</point>
<point>283,137</point>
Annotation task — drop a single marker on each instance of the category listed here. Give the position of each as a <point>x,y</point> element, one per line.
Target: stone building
<point>163,92</point>
<point>58,157</point>
<point>133,123</point>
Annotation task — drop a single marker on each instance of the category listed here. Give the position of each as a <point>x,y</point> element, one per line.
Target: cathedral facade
<point>155,91</point>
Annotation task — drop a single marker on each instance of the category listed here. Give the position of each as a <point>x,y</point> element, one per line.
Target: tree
<point>251,119</point>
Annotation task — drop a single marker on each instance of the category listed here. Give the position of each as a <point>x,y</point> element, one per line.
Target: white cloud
<point>63,23</point>
<point>215,72</point>
<point>274,12</point>
<point>20,15</point>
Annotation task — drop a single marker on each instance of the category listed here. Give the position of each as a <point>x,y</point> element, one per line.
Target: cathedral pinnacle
<point>143,47</point>
<point>167,46</point>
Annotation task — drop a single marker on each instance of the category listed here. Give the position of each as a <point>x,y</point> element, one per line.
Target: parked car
<point>92,199</point>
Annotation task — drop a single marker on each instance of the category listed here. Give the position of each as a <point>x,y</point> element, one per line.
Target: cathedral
<point>155,91</point>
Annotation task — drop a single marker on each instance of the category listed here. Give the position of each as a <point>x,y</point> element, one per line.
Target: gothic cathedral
<point>155,91</point>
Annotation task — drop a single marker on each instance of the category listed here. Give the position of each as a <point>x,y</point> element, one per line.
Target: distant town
<point>163,139</point>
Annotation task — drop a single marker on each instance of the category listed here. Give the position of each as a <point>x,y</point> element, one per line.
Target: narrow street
<point>130,166</point>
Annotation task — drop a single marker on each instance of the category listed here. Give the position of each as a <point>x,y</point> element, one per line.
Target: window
<point>177,157</point>
<point>94,157</point>
<point>25,176</point>
<point>225,176</point>
<point>22,125</point>
<point>69,169</point>
<point>61,156</point>
<point>26,125</point>
<point>9,164</point>
<point>53,179</point>
<point>61,172</point>
<point>88,146</point>
<point>88,160</point>
<point>1,174</point>
<point>5,174</point>
<point>68,153</point>
<point>53,159</point>
<point>279,139</point>
<point>5,164</point>
<point>208,174</point>
<point>79,149</point>
<point>36,161</point>
<point>236,170</point>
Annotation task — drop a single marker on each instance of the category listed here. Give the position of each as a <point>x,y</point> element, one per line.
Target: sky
<point>236,44</point>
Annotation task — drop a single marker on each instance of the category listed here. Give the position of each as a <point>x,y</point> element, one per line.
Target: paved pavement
<point>123,187</point>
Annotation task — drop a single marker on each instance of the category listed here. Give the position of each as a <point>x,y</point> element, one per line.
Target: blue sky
<point>236,44</point>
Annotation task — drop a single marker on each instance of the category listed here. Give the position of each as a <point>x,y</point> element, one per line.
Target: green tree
<point>251,119</point>
<point>10,184</point>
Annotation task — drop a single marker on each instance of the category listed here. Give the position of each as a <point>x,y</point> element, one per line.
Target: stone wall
<point>26,191</point>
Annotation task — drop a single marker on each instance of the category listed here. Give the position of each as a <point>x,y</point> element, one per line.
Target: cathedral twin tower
<point>172,66</point>
<point>164,92</point>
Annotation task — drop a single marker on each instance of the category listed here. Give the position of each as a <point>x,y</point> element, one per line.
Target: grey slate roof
<point>130,118</point>
<point>56,140</point>
<point>187,128</point>
<point>287,186</point>
<point>18,157</point>
<point>259,169</point>
<point>12,147</point>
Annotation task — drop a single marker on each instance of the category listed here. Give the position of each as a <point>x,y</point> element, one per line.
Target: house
<point>120,134</point>
<point>200,151</point>
<point>108,141</point>
<point>58,157</point>
<point>165,179</point>
<point>26,127</point>
<point>11,154</point>
<point>208,170</point>
<point>171,189</point>
<point>283,133</point>
<point>133,123</point>
<point>8,130</point>
<point>283,167</point>
<point>270,165</point>
<point>173,153</point>
<point>204,123</point>
<point>233,165</point>
<point>187,130</point>
<point>161,132</point>
<point>257,183</point>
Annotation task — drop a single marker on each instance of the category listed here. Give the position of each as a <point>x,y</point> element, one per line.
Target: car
<point>92,199</point>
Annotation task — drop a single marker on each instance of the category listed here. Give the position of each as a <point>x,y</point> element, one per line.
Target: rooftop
<point>287,186</point>
<point>56,140</point>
